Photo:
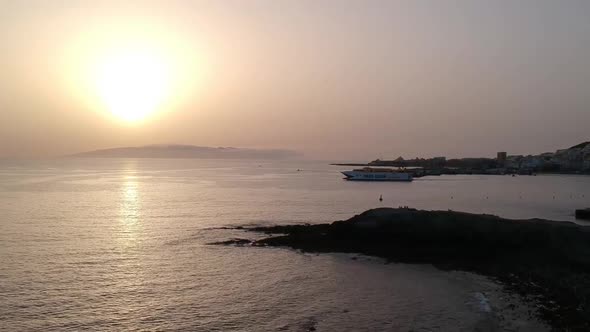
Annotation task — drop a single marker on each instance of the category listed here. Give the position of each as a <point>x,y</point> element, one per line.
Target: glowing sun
<point>132,84</point>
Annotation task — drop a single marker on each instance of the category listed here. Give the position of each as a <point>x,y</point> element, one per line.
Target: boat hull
<point>377,176</point>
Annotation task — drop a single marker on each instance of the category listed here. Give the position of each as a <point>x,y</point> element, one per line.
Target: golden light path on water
<point>130,211</point>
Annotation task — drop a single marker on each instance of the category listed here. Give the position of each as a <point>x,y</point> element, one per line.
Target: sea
<point>125,245</point>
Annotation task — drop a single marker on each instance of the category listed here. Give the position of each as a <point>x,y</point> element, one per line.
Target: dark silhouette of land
<point>546,261</point>
<point>575,159</point>
<point>186,151</point>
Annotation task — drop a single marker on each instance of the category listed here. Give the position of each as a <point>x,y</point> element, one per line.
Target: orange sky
<point>332,79</point>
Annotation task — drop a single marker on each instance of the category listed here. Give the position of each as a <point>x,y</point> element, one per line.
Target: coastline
<point>536,259</point>
<point>420,172</point>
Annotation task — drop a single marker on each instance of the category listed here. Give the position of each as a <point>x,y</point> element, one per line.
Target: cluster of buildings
<point>574,159</point>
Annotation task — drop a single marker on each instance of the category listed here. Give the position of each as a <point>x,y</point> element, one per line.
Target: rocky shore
<point>548,262</point>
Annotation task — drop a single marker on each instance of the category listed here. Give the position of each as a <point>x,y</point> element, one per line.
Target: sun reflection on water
<point>130,211</point>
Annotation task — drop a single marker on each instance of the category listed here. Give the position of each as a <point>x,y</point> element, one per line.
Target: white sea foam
<point>483,302</point>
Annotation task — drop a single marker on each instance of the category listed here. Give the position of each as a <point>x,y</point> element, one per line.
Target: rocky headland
<point>547,262</point>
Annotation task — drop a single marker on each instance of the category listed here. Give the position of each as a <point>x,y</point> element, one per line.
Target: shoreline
<point>421,172</point>
<point>545,260</point>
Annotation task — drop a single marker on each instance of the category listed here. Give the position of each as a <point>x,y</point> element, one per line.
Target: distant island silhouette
<point>186,151</point>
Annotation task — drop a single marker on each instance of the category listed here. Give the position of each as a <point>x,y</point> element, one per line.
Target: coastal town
<point>573,160</point>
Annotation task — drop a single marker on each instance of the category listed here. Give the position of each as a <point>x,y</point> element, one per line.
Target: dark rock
<point>583,214</point>
<point>546,259</point>
<point>236,242</point>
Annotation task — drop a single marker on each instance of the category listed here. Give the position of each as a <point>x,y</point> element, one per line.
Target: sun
<point>134,71</point>
<point>132,83</point>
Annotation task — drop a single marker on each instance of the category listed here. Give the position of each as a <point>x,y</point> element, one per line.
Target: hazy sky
<point>332,79</point>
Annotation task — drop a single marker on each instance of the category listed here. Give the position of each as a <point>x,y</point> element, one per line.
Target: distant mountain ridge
<point>186,151</point>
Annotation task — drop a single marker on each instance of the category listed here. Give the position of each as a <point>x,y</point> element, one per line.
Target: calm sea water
<point>122,245</point>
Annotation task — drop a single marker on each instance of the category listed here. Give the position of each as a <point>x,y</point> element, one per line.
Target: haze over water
<point>334,79</point>
<point>121,244</point>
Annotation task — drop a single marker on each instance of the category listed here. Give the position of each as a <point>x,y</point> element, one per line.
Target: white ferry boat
<point>376,174</point>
